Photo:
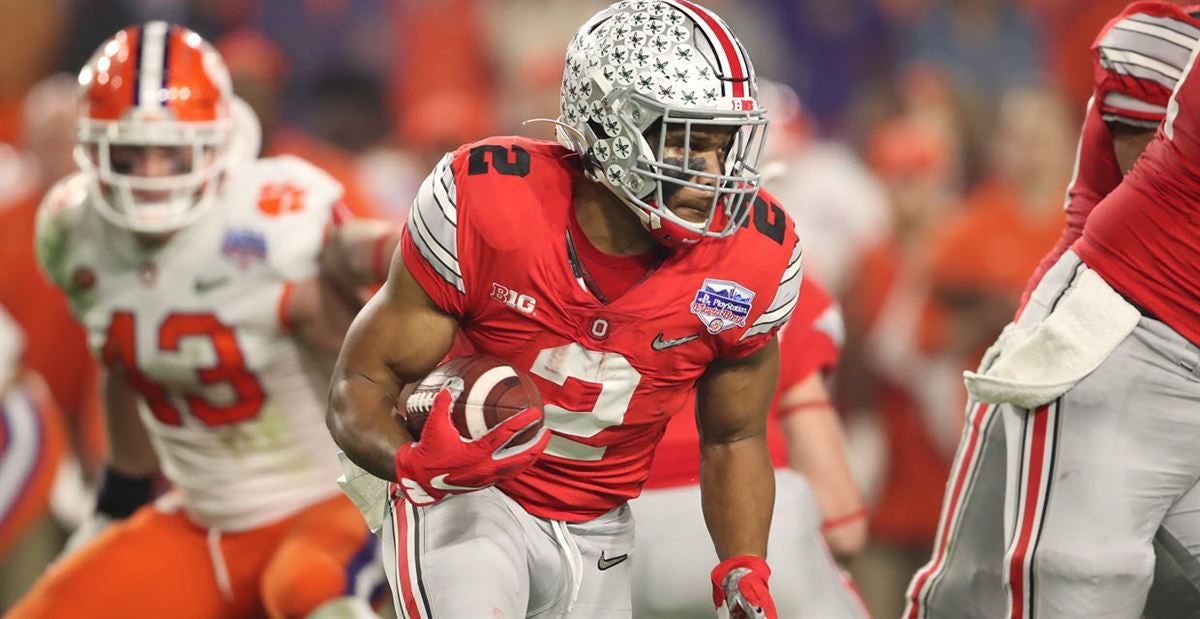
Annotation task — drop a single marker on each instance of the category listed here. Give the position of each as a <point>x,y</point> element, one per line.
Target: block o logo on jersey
<point>722,305</point>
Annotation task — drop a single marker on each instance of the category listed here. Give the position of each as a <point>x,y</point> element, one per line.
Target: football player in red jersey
<point>814,492</point>
<point>987,556</point>
<point>630,268</point>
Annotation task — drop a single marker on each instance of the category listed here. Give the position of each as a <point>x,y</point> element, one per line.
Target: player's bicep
<point>733,396</point>
<point>401,334</point>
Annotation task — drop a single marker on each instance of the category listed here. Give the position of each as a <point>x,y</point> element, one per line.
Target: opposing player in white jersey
<point>194,268</point>
<point>1138,57</point>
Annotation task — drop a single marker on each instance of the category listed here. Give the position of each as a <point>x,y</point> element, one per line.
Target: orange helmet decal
<point>157,71</point>
<point>109,79</point>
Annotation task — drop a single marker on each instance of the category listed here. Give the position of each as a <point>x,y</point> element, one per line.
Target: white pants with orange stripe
<point>1061,511</point>
<point>673,557</point>
<point>480,555</point>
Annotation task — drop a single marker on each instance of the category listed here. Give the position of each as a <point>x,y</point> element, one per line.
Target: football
<point>487,391</point>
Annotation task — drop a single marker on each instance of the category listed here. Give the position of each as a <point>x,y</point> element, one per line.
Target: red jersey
<point>811,343</point>
<point>1137,59</point>
<point>488,239</point>
<point>1143,238</point>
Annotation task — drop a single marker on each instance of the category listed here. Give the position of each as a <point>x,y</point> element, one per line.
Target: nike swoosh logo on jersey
<point>660,344</point>
<point>440,483</point>
<point>607,562</point>
<point>204,285</point>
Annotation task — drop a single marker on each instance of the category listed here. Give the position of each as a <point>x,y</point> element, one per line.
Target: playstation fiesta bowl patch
<point>722,305</point>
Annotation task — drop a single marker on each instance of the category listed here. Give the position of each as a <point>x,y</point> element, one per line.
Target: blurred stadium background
<point>923,146</point>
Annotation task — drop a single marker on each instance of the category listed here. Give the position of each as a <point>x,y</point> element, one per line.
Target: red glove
<point>443,462</point>
<point>740,584</point>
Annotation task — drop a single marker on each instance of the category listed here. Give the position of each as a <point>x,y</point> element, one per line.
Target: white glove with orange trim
<point>443,462</point>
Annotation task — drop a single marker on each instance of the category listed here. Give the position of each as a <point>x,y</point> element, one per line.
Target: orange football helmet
<point>162,88</point>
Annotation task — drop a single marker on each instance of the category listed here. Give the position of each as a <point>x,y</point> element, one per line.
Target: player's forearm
<point>816,449</point>
<point>130,451</point>
<point>361,421</point>
<point>359,252</point>
<point>737,489</point>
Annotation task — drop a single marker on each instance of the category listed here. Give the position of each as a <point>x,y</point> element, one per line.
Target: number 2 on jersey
<point>120,348</point>
<point>617,379</point>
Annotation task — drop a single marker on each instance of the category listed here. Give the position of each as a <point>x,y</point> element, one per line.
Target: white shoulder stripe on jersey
<point>1140,73</point>
<point>150,74</point>
<point>432,223</point>
<point>779,313</point>
<point>1169,23</point>
<point>438,257</point>
<point>444,189</point>
<point>1141,67</point>
<point>1161,33</point>
<point>1168,125</point>
<point>441,249</point>
<point>785,297</point>
<point>1147,46</point>
<point>1149,125</point>
<point>1122,101</point>
<point>1134,59</point>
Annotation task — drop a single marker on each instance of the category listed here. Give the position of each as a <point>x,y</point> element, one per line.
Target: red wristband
<point>803,407</point>
<point>841,521</point>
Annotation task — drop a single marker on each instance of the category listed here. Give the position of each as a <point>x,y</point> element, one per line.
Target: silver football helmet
<point>668,64</point>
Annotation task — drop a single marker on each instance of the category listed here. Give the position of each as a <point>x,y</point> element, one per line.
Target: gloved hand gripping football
<point>443,462</point>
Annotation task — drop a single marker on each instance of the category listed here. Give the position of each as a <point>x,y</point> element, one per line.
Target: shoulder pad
<point>59,215</point>
<point>773,249</point>
<point>288,185</point>
<point>1140,55</point>
<point>289,202</point>
<point>509,183</point>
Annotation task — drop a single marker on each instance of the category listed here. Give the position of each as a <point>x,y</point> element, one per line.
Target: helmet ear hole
<point>598,129</point>
<point>652,133</point>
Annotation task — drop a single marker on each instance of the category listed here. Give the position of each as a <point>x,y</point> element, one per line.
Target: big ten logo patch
<point>521,302</point>
<point>277,198</point>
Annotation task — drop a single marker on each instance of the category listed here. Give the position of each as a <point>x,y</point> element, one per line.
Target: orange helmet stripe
<point>114,82</point>
<point>190,90</point>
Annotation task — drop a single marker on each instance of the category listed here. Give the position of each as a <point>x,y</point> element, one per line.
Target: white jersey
<point>235,413</point>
